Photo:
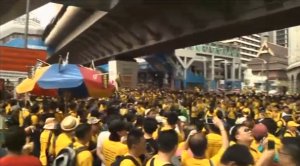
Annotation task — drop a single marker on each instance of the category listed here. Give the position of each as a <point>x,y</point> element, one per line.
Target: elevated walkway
<point>137,29</point>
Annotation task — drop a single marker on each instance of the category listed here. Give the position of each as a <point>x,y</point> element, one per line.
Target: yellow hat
<point>293,124</point>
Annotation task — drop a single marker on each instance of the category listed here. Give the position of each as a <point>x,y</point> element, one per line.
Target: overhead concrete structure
<point>11,9</point>
<point>141,28</point>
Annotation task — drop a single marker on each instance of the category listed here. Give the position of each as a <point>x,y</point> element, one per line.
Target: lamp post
<point>27,23</point>
<point>267,72</point>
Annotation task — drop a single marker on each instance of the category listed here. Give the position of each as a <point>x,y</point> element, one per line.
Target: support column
<point>212,76</point>
<point>225,70</point>
<point>204,69</point>
<point>291,83</point>
<point>233,70</point>
<point>240,72</point>
<point>295,87</point>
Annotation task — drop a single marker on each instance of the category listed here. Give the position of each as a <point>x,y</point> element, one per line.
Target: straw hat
<point>69,123</point>
<point>93,120</point>
<point>50,124</point>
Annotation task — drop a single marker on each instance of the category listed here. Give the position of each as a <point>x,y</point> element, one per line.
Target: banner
<point>105,80</point>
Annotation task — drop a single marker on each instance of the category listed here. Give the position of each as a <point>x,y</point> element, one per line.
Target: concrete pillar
<point>212,77</point>
<point>291,84</point>
<point>295,86</point>
<point>233,70</point>
<point>225,70</point>
<point>240,72</point>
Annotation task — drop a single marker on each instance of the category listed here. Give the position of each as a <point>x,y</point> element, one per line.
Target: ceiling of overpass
<point>139,29</point>
<point>11,9</point>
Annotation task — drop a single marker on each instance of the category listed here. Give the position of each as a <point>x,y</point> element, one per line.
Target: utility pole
<point>26,23</point>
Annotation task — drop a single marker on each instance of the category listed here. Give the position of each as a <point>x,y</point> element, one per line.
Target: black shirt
<point>152,146</point>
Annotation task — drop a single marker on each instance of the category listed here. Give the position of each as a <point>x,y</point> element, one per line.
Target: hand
<point>265,142</point>
<point>193,132</point>
<point>218,122</point>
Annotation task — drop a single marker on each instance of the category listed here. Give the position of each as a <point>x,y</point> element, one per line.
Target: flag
<point>105,81</point>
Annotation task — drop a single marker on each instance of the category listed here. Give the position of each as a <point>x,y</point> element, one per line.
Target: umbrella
<point>79,82</point>
<point>30,86</point>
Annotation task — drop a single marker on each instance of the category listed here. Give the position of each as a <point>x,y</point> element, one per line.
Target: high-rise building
<point>249,45</point>
<point>279,37</point>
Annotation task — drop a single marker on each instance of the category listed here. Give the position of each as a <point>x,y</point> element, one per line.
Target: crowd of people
<point>152,128</point>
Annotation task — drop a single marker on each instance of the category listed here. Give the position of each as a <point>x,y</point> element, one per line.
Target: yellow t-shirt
<point>128,162</point>
<point>44,138</point>
<point>180,136</point>
<point>62,141</point>
<point>84,158</point>
<point>189,161</point>
<point>22,115</point>
<point>112,149</point>
<point>214,144</point>
<point>289,134</point>
<point>276,140</point>
<point>156,162</point>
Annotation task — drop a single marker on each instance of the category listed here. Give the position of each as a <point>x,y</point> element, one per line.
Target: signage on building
<point>218,49</point>
<point>32,44</point>
<point>32,19</point>
<point>16,59</point>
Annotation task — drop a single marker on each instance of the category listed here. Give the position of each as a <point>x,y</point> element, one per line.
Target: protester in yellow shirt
<point>83,134</point>
<point>113,147</point>
<point>197,143</point>
<point>172,122</point>
<point>241,134</point>
<point>214,141</point>
<point>136,144</point>
<point>45,140</point>
<point>167,141</point>
<point>68,126</point>
<point>291,129</point>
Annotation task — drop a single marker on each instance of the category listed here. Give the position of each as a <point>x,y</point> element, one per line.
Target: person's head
<point>172,119</point>
<point>150,125</point>
<point>167,142</point>
<point>187,129</point>
<point>84,132</point>
<point>270,124</point>
<point>95,123</point>
<point>259,132</point>
<point>139,121</point>
<point>35,108</point>
<point>15,139</point>
<point>117,129</point>
<point>237,155</point>
<point>292,126</point>
<point>151,113</point>
<point>289,153</point>
<point>241,134</point>
<point>198,144</point>
<point>69,124</point>
<point>136,142</point>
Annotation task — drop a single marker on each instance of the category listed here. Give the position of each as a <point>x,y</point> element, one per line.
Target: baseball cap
<point>292,124</point>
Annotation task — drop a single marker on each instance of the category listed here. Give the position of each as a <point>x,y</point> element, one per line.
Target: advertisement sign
<point>128,71</point>
<point>17,59</point>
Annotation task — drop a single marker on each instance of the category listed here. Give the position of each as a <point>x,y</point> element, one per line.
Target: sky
<point>51,9</point>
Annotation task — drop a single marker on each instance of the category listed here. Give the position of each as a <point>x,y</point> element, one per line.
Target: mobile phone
<point>271,144</point>
<point>209,120</point>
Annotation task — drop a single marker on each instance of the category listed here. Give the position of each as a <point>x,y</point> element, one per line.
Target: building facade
<point>249,46</point>
<point>12,65</point>
<point>270,64</point>
<point>293,69</point>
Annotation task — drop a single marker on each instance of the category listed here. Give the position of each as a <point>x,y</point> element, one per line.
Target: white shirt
<point>101,137</point>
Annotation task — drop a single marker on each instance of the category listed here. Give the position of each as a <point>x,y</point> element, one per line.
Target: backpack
<point>152,163</point>
<point>119,159</point>
<point>67,156</point>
